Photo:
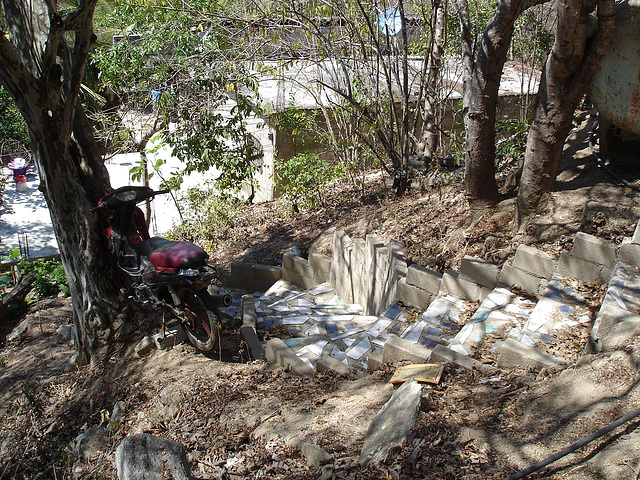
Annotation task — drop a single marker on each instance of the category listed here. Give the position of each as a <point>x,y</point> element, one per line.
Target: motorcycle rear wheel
<point>200,319</point>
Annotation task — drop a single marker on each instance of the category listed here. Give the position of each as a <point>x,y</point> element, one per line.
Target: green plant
<point>304,177</point>
<point>50,276</point>
<point>13,126</point>
<point>513,141</point>
<point>207,214</point>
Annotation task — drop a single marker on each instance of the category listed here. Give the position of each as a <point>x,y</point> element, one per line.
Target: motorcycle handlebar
<point>104,202</point>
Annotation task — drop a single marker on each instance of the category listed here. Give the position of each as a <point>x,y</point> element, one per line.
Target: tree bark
<point>18,293</point>
<point>565,78</point>
<point>480,98</point>
<point>428,144</point>
<point>483,71</point>
<point>43,75</point>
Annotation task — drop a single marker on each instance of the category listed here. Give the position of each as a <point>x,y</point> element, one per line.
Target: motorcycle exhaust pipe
<point>224,300</point>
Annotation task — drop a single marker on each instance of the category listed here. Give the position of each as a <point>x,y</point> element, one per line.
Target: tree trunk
<point>565,77</point>
<point>43,75</point>
<point>480,95</point>
<point>428,143</point>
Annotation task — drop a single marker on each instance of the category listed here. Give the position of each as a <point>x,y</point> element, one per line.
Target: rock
<point>145,346</point>
<point>314,455</point>
<point>117,415</point>
<point>148,457</point>
<point>65,331</point>
<point>392,424</point>
<point>19,330</point>
<point>89,443</point>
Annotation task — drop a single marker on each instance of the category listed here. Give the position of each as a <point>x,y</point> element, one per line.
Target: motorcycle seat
<point>169,254</point>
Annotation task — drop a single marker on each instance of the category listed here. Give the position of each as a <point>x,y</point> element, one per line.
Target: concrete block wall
<point>629,251</point>
<point>531,270</point>
<point>251,276</point>
<point>590,259</point>
<point>366,272</point>
<point>420,287</point>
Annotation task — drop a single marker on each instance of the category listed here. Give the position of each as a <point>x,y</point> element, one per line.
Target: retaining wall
<point>375,275</point>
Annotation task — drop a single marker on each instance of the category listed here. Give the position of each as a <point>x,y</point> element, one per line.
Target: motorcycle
<point>169,275</point>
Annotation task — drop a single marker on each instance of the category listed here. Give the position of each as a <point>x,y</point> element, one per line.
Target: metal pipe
<point>575,446</point>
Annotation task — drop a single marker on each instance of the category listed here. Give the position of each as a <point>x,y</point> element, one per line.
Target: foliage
<point>176,67</point>
<point>13,126</point>
<point>299,124</point>
<point>304,177</point>
<point>513,141</point>
<point>50,276</point>
<point>207,214</point>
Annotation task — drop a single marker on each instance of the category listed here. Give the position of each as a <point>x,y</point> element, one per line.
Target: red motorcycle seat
<point>168,254</point>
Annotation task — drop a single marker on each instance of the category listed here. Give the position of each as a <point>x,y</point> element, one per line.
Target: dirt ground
<point>239,419</point>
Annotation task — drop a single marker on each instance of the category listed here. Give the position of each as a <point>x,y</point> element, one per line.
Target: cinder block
<point>636,234</point>
<point>462,289</point>
<point>288,259</point>
<point>515,354</point>
<point>593,249</point>
<point>330,364</point>
<point>292,276</point>
<point>374,362</point>
<point>301,267</point>
<point>621,333</point>
<point>442,354</point>
<point>320,262</point>
<point>278,353</point>
<point>608,317</point>
<point>248,312</point>
<point>629,253</point>
<point>397,349</point>
<point>478,271</point>
<point>244,270</point>
<point>170,337</point>
<point>412,295</point>
<point>424,278</point>
<point>581,269</point>
<point>534,261</point>
<point>251,340</point>
<point>528,282</point>
<point>359,250</point>
<point>271,273</point>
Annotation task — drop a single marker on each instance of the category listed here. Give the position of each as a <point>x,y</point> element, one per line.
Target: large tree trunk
<point>566,75</point>
<point>480,95</point>
<point>428,144</point>
<point>43,75</point>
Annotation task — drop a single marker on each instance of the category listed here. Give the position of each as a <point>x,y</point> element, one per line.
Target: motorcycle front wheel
<point>200,319</point>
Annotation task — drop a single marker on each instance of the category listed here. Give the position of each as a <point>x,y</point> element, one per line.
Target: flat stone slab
<point>393,423</point>
<point>149,457</point>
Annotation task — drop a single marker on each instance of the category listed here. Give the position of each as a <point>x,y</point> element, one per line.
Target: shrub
<point>304,177</point>
<point>50,276</point>
<point>207,214</point>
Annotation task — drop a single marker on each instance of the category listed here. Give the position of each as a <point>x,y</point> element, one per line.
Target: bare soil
<point>240,419</point>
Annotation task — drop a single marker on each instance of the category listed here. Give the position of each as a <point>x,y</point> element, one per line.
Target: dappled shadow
<point>26,215</point>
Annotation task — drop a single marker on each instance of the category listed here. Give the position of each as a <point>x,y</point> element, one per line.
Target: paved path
<point>26,213</point>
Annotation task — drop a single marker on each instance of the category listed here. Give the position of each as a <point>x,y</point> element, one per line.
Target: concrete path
<point>26,214</point>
